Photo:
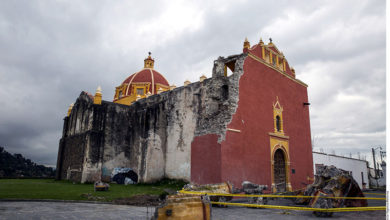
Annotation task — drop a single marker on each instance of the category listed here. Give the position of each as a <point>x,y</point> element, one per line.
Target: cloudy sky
<point>52,50</point>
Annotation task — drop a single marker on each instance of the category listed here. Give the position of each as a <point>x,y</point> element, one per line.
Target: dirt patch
<point>140,200</point>
<point>89,196</point>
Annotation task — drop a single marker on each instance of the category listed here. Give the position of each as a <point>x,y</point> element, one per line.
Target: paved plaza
<point>34,210</point>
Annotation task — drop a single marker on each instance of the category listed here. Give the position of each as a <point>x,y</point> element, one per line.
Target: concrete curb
<point>55,200</point>
<point>68,201</point>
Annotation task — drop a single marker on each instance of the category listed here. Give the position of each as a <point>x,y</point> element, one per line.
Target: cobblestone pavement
<point>251,213</point>
<point>66,210</point>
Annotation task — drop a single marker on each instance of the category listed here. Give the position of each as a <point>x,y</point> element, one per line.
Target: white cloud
<point>51,51</point>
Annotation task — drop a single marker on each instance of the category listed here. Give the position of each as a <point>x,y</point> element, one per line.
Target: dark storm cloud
<point>43,52</point>
<point>52,50</point>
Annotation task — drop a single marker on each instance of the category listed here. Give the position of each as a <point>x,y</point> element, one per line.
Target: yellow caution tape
<point>274,196</point>
<point>347,209</point>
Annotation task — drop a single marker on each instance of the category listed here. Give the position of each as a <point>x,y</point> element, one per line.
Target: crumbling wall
<point>219,99</point>
<point>72,160</point>
<point>80,145</point>
<point>184,113</point>
<point>81,117</point>
<point>153,136</point>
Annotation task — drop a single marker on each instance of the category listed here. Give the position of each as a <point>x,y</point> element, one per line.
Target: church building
<point>250,125</point>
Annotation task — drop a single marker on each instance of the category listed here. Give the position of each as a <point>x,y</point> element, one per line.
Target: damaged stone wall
<point>72,163</point>
<point>75,143</point>
<point>152,136</point>
<point>81,145</point>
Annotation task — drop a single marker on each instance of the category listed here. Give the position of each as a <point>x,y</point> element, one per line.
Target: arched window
<point>278,127</point>
<point>278,117</point>
<point>273,60</point>
<point>120,95</point>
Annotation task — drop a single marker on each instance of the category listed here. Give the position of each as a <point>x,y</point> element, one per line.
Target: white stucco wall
<point>349,164</point>
<point>180,134</point>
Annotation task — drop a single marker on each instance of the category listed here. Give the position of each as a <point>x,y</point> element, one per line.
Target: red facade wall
<point>246,155</point>
<point>205,159</point>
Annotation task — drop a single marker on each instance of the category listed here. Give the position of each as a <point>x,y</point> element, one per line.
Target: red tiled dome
<point>146,75</point>
<point>141,84</point>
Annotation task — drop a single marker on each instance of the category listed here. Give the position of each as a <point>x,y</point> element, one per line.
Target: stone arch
<point>279,151</point>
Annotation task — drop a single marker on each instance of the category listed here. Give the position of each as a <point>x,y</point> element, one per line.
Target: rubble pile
<point>254,189</point>
<point>332,182</point>
<point>224,188</point>
<point>248,188</point>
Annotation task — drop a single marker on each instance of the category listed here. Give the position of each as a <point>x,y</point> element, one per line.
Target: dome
<point>147,75</point>
<point>141,84</point>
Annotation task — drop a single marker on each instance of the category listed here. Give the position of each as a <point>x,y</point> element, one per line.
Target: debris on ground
<point>140,200</point>
<point>332,182</point>
<point>122,175</point>
<point>100,186</point>
<point>183,206</point>
<point>223,188</point>
<point>254,189</point>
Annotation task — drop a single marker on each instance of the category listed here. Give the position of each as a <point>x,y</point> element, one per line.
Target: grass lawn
<point>66,190</point>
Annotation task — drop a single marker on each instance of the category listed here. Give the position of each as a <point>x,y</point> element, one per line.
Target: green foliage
<point>66,190</point>
<point>16,166</point>
<point>169,182</point>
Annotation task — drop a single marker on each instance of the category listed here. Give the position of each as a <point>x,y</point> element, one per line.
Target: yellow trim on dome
<point>130,89</point>
<point>163,87</point>
<point>127,90</point>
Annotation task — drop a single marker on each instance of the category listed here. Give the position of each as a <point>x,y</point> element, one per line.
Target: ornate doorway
<point>280,171</point>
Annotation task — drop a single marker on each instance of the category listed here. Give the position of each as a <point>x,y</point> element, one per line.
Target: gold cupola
<point>149,62</point>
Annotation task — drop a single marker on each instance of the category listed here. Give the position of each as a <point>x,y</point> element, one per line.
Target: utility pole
<point>373,157</point>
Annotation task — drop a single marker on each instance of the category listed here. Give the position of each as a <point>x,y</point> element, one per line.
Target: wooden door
<point>279,171</point>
